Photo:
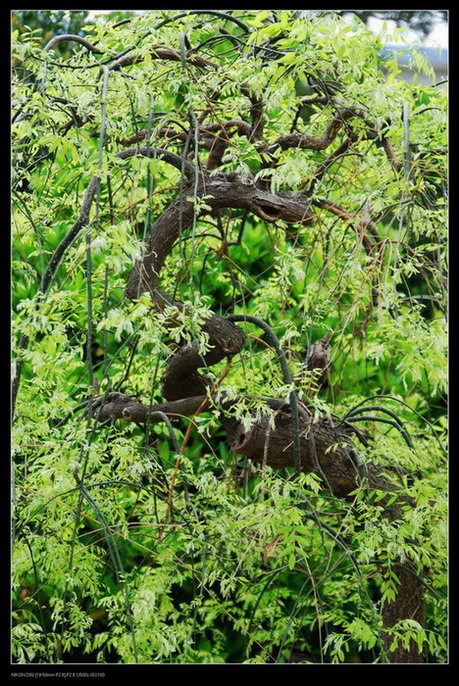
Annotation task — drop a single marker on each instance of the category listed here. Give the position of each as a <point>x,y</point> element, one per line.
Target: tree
<point>272,494</point>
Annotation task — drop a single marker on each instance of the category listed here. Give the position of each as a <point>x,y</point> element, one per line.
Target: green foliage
<point>254,566</point>
<point>45,24</point>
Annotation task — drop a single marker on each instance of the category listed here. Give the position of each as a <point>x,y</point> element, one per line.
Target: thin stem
<point>287,377</point>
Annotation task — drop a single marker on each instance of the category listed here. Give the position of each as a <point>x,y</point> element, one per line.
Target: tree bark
<point>325,448</point>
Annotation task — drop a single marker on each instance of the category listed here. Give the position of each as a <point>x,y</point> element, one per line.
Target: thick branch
<point>115,404</point>
<point>221,191</point>
<point>264,444</point>
<point>333,458</point>
<point>302,140</point>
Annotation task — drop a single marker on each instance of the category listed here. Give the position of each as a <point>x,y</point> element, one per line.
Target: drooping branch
<point>217,13</point>
<point>325,447</point>
<point>81,221</point>
<point>293,396</point>
<point>50,270</point>
<point>221,191</point>
<point>271,446</point>
<point>361,225</point>
<point>322,169</point>
<point>93,185</point>
<point>76,39</point>
<point>181,379</point>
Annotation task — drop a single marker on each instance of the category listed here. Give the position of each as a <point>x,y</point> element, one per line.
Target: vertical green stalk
<point>287,378</point>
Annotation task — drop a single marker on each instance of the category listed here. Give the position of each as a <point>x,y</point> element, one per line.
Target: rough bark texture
<point>273,447</point>
<point>222,191</point>
<point>409,604</point>
<point>325,449</point>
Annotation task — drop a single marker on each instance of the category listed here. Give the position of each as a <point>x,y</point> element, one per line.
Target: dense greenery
<point>134,544</point>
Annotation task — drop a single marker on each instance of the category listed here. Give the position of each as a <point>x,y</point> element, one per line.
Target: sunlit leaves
<point>222,561</point>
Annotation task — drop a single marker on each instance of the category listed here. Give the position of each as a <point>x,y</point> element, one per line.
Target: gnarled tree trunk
<point>185,388</point>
